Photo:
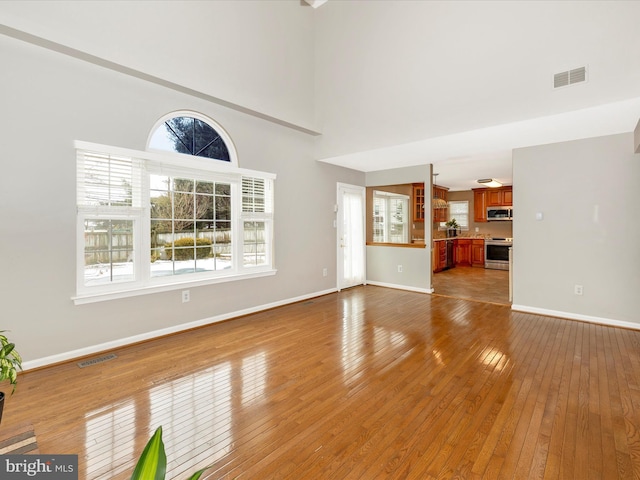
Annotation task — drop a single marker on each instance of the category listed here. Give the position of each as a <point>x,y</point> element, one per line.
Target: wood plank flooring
<point>473,283</point>
<point>368,383</point>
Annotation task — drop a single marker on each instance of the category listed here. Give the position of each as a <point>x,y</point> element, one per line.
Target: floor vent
<point>97,360</point>
<point>310,302</point>
<point>570,77</point>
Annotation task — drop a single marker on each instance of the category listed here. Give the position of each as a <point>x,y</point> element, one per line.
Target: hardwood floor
<point>368,383</point>
<point>473,283</point>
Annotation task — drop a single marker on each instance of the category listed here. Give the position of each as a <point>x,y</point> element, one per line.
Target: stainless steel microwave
<point>495,214</point>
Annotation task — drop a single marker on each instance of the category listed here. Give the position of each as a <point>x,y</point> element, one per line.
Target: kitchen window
<point>459,210</point>
<point>150,222</point>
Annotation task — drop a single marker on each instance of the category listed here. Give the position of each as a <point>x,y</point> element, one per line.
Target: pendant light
<point>437,202</point>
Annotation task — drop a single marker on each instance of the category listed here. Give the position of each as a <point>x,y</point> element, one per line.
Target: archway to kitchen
<point>460,266</point>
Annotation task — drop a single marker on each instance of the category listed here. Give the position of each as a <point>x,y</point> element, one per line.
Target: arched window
<point>151,223</point>
<point>192,134</point>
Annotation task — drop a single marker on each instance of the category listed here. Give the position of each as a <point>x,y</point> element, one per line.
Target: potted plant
<point>10,363</point>
<point>452,228</point>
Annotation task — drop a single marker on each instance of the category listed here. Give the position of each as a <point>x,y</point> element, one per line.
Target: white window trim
<point>171,164</point>
<point>388,196</point>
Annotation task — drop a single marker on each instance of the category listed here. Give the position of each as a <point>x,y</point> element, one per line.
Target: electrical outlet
<point>186,296</point>
<point>399,268</point>
<point>324,272</point>
<point>577,289</point>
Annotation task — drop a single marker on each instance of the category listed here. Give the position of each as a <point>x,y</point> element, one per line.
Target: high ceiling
<point>380,84</point>
<point>460,84</point>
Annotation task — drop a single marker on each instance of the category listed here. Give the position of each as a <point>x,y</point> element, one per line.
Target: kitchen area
<point>471,256</point>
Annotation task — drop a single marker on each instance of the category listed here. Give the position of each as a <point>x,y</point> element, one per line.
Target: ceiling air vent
<point>563,79</point>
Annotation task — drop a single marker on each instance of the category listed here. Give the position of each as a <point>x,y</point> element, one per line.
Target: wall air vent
<point>570,77</point>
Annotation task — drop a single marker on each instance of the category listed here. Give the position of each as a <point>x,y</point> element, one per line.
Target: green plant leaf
<point>7,349</point>
<point>198,474</point>
<point>152,464</point>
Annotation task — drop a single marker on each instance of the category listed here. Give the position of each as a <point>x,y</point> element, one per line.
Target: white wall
<point>48,101</point>
<point>588,192</point>
<point>383,261</point>
<point>392,72</point>
<point>254,53</point>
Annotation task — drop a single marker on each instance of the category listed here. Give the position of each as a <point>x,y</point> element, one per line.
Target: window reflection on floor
<point>361,340</point>
<point>352,339</point>
<point>196,413</point>
<point>109,438</point>
<point>254,377</point>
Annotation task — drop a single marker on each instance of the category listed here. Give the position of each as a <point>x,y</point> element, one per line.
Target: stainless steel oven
<point>496,253</point>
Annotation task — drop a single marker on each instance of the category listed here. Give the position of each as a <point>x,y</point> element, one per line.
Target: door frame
<point>340,189</point>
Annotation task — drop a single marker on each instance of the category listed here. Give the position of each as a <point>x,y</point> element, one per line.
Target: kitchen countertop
<point>461,238</point>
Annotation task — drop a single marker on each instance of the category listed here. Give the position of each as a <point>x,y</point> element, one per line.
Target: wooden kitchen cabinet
<point>494,198</point>
<point>440,214</point>
<point>462,252</point>
<point>479,206</point>
<point>418,202</point>
<point>499,197</point>
<point>508,196</point>
<point>477,252</point>
<point>434,257</point>
<point>490,197</point>
<point>439,255</point>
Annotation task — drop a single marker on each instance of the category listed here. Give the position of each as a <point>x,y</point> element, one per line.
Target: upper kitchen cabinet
<point>440,214</point>
<point>508,196</point>
<point>498,197</point>
<point>490,197</point>
<point>479,205</point>
<point>418,202</point>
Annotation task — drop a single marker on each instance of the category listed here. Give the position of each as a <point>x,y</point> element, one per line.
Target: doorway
<point>350,236</point>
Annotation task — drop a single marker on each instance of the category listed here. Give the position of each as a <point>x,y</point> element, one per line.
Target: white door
<point>351,239</point>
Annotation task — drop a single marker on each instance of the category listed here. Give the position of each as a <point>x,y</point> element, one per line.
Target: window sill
<point>135,292</point>
<point>400,245</point>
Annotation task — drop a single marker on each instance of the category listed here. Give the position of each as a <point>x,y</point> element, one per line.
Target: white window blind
<point>459,210</point>
<point>256,196</point>
<point>105,180</point>
<point>147,220</point>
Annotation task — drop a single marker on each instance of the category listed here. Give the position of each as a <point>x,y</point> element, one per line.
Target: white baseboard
<point>576,316</point>
<point>102,347</point>
<point>400,287</point>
